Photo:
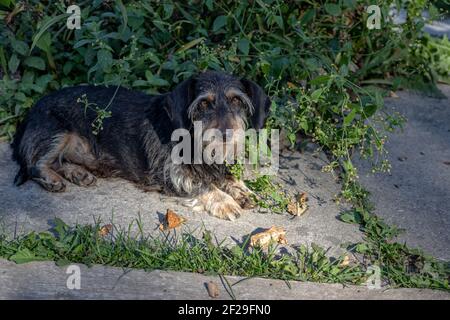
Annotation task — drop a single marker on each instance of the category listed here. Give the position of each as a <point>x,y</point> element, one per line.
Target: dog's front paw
<point>78,175</point>
<point>52,185</point>
<point>218,204</point>
<point>227,209</point>
<point>241,194</point>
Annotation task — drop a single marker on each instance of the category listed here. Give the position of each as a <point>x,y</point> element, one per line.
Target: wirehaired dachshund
<point>59,141</point>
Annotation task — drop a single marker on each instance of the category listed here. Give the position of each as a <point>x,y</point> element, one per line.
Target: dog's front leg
<point>218,204</point>
<point>239,192</point>
<point>206,195</point>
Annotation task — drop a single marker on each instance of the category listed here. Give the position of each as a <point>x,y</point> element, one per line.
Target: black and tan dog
<point>55,143</point>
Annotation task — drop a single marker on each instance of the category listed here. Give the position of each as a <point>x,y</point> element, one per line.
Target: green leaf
<point>244,46</point>
<point>6,3</point>
<point>35,62</point>
<point>379,99</point>
<point>104,58</point>
<point>43,81</point>
<point>155,81</point>
<point>265,67</point>
<point>168,10</point>
<point>190,44</point>
<point>209,4</point>
<point>349,117</point>
<point>350,4</point>
<point>140,83</point>
<point>308,16</point>
<point>24,256</point>
<point>82,43</point>
<point>279,21</point>
<point>67,68</point>
<point>50,22</point>
<point>20,96</point>
<point>333,9</point>
<point>13,63</point>
<point>219,23</point>
<point>60,228</point>
<point>361,248</point>
<point>20,47</point>
<point>351,217</point>
<point>44,43</point>
<point>316,94</point>
<point>123,11</point>
<point>320,80</point>
<point>369,110</point>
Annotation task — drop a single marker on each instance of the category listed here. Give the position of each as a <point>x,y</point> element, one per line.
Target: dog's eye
<point>235,101</point>
<point>204,104</point>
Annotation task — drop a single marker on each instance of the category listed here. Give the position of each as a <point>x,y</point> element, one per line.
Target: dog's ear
<point>178,101</point>
<point>261,103</point>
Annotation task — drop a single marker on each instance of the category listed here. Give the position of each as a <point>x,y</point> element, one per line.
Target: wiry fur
<point>55,143</point>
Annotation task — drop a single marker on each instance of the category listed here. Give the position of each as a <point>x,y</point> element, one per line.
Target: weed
<point>84,244</point>
<point>319,64</point>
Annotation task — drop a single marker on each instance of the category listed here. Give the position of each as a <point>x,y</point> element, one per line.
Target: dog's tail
<point>22,175</point>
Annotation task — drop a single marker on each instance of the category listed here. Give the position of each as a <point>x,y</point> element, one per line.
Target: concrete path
<point>44,280</point>
<point>438,28</point>
<point>416,195</point>
<point>29,207</point>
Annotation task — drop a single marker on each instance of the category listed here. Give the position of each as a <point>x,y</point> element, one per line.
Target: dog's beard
<point>219,151</point>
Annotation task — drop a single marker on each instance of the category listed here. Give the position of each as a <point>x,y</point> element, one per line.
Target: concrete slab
<point>44,280</point>
<point>416,195</point>
<point>29,207</point>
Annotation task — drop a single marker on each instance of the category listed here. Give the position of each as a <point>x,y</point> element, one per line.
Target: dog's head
<point>221,102</point>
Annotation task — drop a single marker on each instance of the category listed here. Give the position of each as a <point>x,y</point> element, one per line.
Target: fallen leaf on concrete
<point>345,262</point>
<point>392,94</point>
<point>213,289</point>
<point>263,238</point>
<point>105,230</point>
<point>298,207</point>
<point>172,220</point>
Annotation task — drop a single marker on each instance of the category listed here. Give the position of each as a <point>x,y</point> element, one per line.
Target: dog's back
<point>94,127</point>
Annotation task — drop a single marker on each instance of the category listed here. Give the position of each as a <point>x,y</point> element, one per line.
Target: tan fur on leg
<point>77,174</point>
<point>53,166</point>
<point>218,204</point>
<point>43,172</point>
<point>49,180</point>
<point>239,192</point>
<point>77,150</point>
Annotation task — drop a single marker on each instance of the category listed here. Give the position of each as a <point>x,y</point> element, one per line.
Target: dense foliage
<point>325,70</point>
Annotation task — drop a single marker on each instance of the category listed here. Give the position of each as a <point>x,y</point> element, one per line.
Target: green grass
<point>400,265</point>
<point>178,252</point>
<point>318,63</point>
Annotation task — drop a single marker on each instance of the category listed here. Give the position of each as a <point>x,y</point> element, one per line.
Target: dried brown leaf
<point>213,289</point>
<point>346,261</point>
<point>298,207</point>
<point>105,230</point>
<point>263,239</point>
<point>172,220</point>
